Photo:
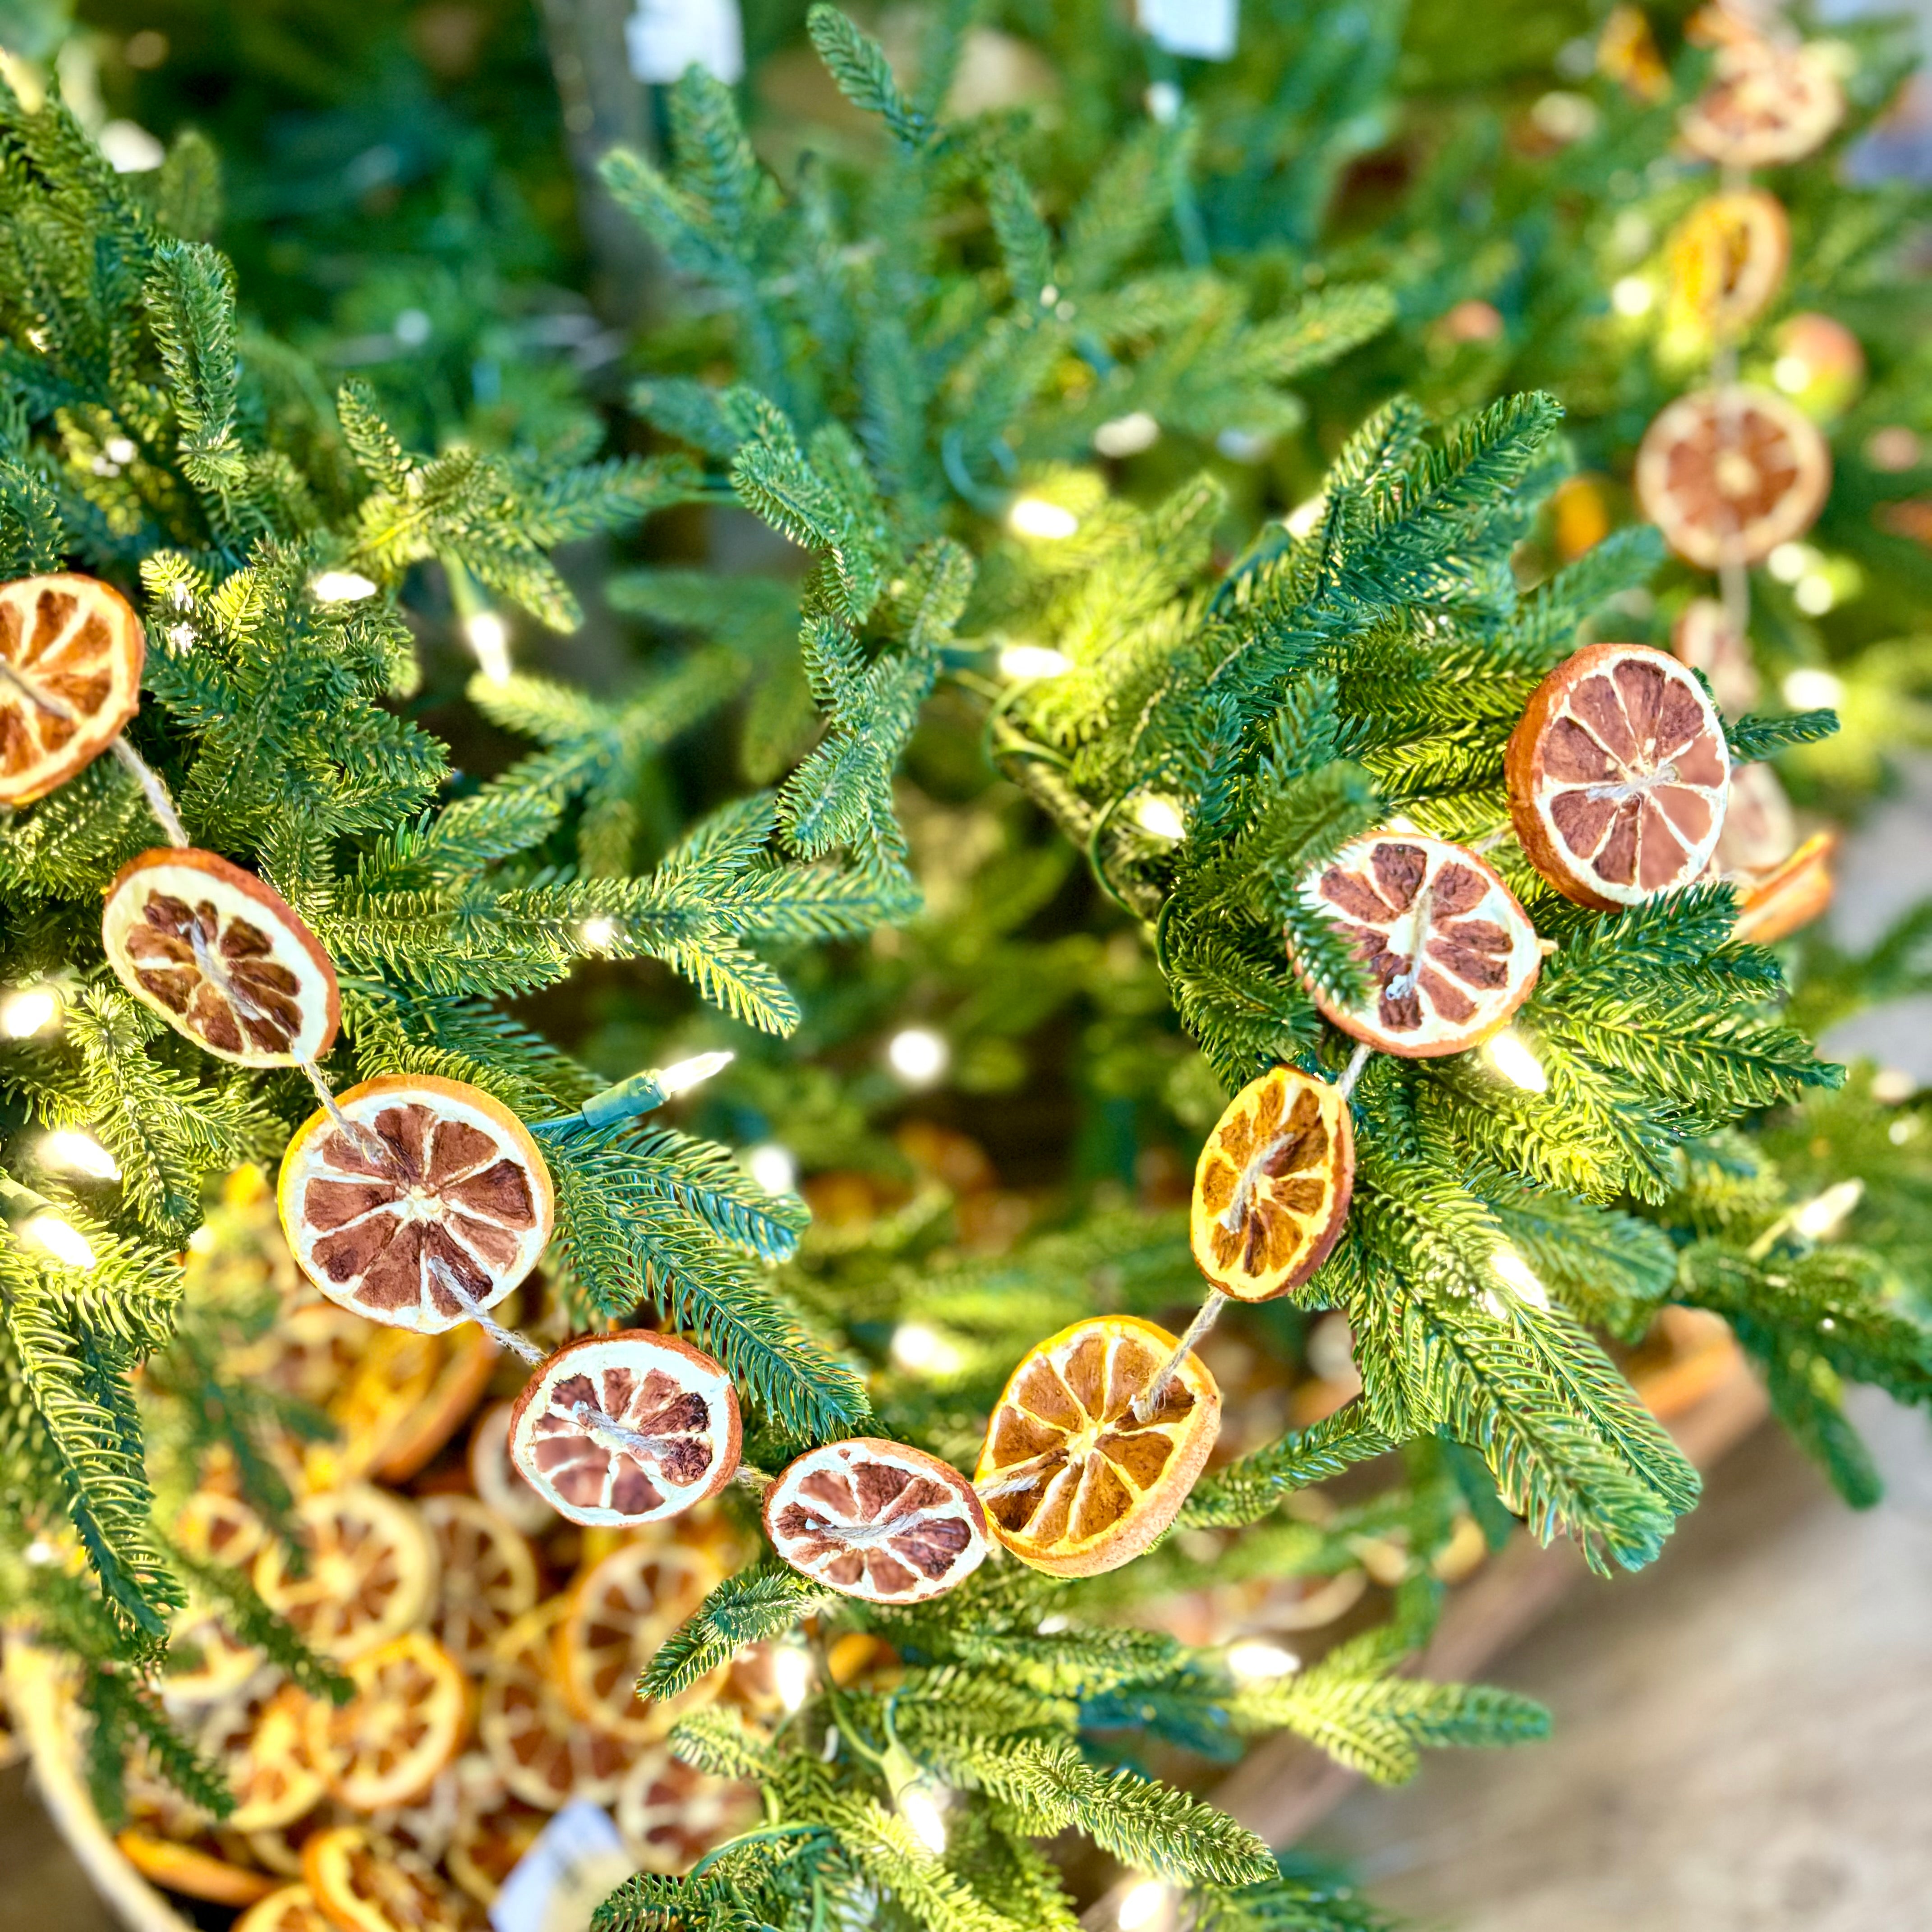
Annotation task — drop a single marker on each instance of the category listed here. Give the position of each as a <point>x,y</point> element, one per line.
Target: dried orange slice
<point>487,1845</point>
<point>1272,1186</point>
<point>267,1758</point>
<point>391,1372</point>
<point>190,1869</point>
<point>1792,895</point>
<point>1760,828</point>
<point>371,1573</point>
<point>465,1362</point>
<point>669,1815</point>
<point>1726,258</point>
<point>498,1480</point>
<point>617,1430</point>
<point>544,1751</point>
<point>1451,953</point>
<point>439,1208</point>
<point>363,1885</point>
<point>291,1909</point>
<point>1766,104</point>
<point>1074,1481</point>
<point>623,1608</point>
<point>1619,776</point>
<point>221,957</point>
<point>1705,639</point>
<point>71,651</point>
<point>1728,474</point>
<point>877,1520</point>
<point>403,1725</point>
<point>488,1577</point>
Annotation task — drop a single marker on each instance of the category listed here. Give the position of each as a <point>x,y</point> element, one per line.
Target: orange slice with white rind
<point>1728,474</point>
<point>619,1613</point>
<point>544,1751</point>
<point>497,1481</point>
<point>1778,903</point>
<point>405,1723</point>
<point>268,1766</point>
<point>438,1207</point>
<point>371,1573</point>
<point>1618,776</point>
<point>488,1575</point>
<point>290,1909</point>
<point>1766,105</point>
<point>221,957</point>
<point>190,1870</point>
<point>1450,953</point>
<point>619,1430</point>
<point>877,1520</point>
<point>1272,1187</point>
<point>1726,258</point>
<point>363,1884</point>
<point>1074,1482</point>
<point>71,650</point>
<point>670,1814</point>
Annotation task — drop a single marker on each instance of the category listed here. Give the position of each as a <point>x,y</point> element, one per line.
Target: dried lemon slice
<point>498,1480</point>
<point>406,1721</point>
<point>190,1869</point>
<point>1618,776</point>
<point>1726,258</point>
<point>618,1430</point>
<point>1790,896</point>
<point>877,1520</point>
<point>670,1815</point>
<point>1074,1483</point>
<point>363,1885</point>
<point>1451,953</point>
<point>1728,474</point>
<point>221,957</point>
<point>71,651</point>
<point>488,1575</point>
<point>544,1751</point>
<point>291,1908</point>
<point>616,1617</point>
<point>1765,105</point>
<point>370,1572</point>
<point>1272,1186</point>
<point>268,1766</point>
<point>436,1210</point>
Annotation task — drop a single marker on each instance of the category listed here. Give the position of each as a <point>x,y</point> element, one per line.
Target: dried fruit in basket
<point>291,1909</point>
<point>1618,776</point>
<point>363,1885</point>
<point>392,1370</point>
<point>404,1724</point>
<point>370,1572</point>
<point>221,957</point>
<point>487,1845</point>
<point>619,1430</point>
<point>669,1815</point>
<point>77,645</point>
<point>191,1869</point>
<point>877,1520</point>
<point>1272,1187</point>
<point>497,1481</point>
<point>267,1760</point>
<point>1450,953</point>
<point>487,1576</point>
<point>465,1361</point>
<point>1074,1482</point>
<point>438,1208</point>
<point>618,1614</point>
<point>545,1753</point>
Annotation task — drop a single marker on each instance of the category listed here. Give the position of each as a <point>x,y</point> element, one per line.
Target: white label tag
<point>576,1861</point>
<point>1202,29</point>
<point>665,36</point>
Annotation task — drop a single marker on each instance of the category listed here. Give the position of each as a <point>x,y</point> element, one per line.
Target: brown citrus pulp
<point>487,1576</point>
<point>618,1615</point>
<point>363,1885</point>
<point>405,1723</point>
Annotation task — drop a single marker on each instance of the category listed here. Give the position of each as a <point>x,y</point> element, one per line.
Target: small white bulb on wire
<point>60,1239</point>
<point>341,587</point>
<point>922,1807</point>
<point>1510,1267</point>
<point>774,1168</point>
<point>599,932</point>
<point>1824,1213</point>
<point>918,1055</point>
<point>489,637</point>
<point>686,1074</point>
<point>792,1673</point>
<point>1024,663</point>
<point>70,1150</point>
<point>29,1011</point>
<point>1035,517</point>
<point>1146,1906</point>
<point>922,1350</point>
<point>1255,1660</point>
<point>1160,817</point>
<point>1511,1056</point>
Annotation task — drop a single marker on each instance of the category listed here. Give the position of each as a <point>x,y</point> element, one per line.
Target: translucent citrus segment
<point>1618,776</point>
<point>1726,258</point>
<point>1450,953</point>
<point>670,1814</point>
<point>1272,1186</point>
<point>1765,105</point>
<point>405,1723</point>
<point>221,957</point>
<point>363,1885</point>
<point>1790,896</point>
<point>487,1576</point>
<point>878,1520</point>
<point>1074,1481</point>
<point>619,1430</point>
<point>438,1207</point>
<point>71,650</point>
<point>1728,474</point>
<point>290,1909</point>
<point>619,1613</point>
<point>544,1751</point>
<point>369,1573</point>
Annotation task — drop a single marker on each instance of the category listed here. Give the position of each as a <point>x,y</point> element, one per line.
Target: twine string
<point>504,1338</point>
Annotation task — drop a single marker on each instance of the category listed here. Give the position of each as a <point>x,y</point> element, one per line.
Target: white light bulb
<point>1301,522</point>
<point>1813,594</point>
<point>1024,662</point>
<point>24,1013</point>
<point>1253,1661</point>
<point>1160,816</point>
<point>1509,1266</point>
<point>921,1350</point>
<point>490,638</point>
<point>773,1167</point>
<point>920,1807</point>
<point>1791,373</point>
<point>792,1674</point>
<point>598,932</point>
<point>1145,1906</point>
<point>1128,435</point>
<point>1810,689</point>
<point>1822,1213</point>
<point>1163,102</point>
<point>119,449</point>
<point>1035,517</point>
<point>1052,1626</point>
<point>413,328</point>
<point>64,1242</point>
<point>1790,561</point>
<point>341,587</point>
<point>687,1074</point>
<point>1633,295</point>
<point>1512,1058</point>
<point>918,1055</point>
<point>78,1153</point>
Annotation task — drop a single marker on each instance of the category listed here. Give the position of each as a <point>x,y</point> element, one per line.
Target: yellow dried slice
<point>498,1481</point>
<point>619,1613</point>
<point>544,1752</point>
<point>1726,258</point>
<point>487,1576</point>
<point>670,1815</point>
<point>71,651</point>
<point>1766,105</point>
<point>405,1723</point>
<point>371,1573</point>
<point>364,1884</point>
<point>291,1908</point>
<point>268,1765</point>
<point>190,1870</point>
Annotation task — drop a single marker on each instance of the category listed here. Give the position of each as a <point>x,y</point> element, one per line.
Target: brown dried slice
<point>363,1884</point>
<point>465,1360</point>
<point>291,1908</point>
<point>439,1208</point>
<point>498,1480</point>
<point>1074,1482</point>
<point>1728,474</point>
<point>1451,955</point>
<point>1792,896</point>
<point>488,1577</point>
<point>487,1845</point>
<point>1766,104</point>
<point>620,1611</point>
<point>1726,258</point>
<point>1705,639</point>
<point>405,1723</point>
<point>371,1573</point>
<point>877,1520</point>
<point>618,1430</point>
<point>71,651</point>
<point>545,1753</point>
<point>1618,776</point>
<point>1272,1186</point>
<point>190,1869</point>
<point>221,957</point>
<point>670,1815</point>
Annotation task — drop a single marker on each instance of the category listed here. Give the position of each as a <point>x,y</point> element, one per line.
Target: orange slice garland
<point>1074,1482</point>
<point>438,1209</point>
<point>405,1723</point>
<point>1726,258</point>
<point>1618,776</point>
<point>1450,953</point>
<point>1705,639</point>
<point>363,1885</point>
<point>71,651</point>
<point>622,1429</point>
<point>1728,474</point>
<point>221,957</point>
<point>1766,104</point>
<point>1272,1186</point>
<point>371,1574</point>
<point>487,1576</point>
